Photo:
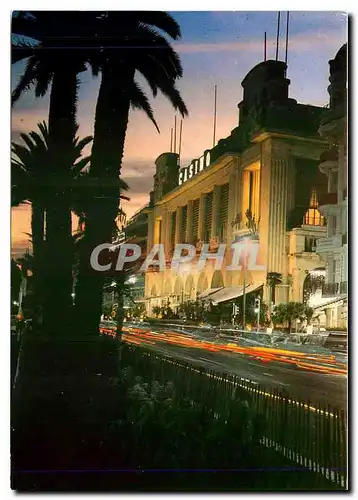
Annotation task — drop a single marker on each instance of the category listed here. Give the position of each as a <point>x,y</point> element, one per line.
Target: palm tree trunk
<point>37,230</point>
<point>58,276</point>
<point>110,128</point>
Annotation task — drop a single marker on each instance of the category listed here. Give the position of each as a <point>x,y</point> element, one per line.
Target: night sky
<point>216,48</point>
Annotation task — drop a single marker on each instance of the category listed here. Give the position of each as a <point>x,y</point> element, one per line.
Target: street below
<point>317,378</point>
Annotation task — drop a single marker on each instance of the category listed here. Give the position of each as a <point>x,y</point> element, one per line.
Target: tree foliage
<point>290,312</point>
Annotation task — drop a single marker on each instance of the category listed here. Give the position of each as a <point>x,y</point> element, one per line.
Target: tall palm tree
<point>141,48</point>
<point>28,174</point>
<point>32,181</point>
<point>55,55</point>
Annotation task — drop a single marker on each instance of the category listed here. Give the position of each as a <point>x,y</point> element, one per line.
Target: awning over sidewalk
<point>208,292</point>
<point>230,293</point>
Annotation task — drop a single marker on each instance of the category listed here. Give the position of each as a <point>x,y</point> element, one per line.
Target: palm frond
<point>26,80</point>
<point>173,95</point>
<point>162,20</point>
<point>80,165</point>
<point>140,101</point>
<point>20,51</point>
<point>28,141</point>
<point>26,25</point>
<point>80,144</point>
<point>44,77</point>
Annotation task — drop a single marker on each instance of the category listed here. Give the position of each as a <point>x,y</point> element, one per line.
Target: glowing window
<point>313,216</point>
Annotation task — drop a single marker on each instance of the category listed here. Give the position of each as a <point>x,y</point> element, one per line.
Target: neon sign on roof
<point>194,168</point>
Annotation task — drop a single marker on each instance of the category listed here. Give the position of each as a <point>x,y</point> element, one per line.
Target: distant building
<point>267,166</point>
<point>333,248</point>
<point>136,231</point>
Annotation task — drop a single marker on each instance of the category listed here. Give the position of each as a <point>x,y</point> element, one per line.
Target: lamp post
<point>113,285</point>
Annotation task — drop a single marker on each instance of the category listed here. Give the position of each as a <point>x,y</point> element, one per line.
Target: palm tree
<point>292,311</point>
<point>143,49</point>
<point>273,279</point>
<point>32,181</point>
<point>28,173</point>
<point>55,55</point>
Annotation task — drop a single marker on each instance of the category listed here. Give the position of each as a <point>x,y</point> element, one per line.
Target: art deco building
<point>269,166</point>
<point>333,204</point>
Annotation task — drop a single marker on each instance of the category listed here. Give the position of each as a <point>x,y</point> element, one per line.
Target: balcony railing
<point>329,244</point>
<point>330,289</point>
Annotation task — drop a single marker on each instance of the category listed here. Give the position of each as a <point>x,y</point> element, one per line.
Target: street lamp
<point>113,285</point>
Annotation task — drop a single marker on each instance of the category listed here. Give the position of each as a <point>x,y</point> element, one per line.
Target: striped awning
<point>208,292</point>
<point>230,293</point>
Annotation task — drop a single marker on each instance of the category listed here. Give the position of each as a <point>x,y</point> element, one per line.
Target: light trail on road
<point>312,362</point>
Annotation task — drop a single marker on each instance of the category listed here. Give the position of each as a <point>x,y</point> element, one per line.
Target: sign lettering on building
<point>194,168</point>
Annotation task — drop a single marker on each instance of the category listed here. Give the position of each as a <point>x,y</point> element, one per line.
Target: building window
<point>224,212</point>
<point>313,216</point>
<point>310,244</point>
<point>196,206</point>
<point>183,224</point>
<point>208,216</point>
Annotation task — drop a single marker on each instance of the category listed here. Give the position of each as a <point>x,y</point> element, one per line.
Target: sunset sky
<point>216,48</point>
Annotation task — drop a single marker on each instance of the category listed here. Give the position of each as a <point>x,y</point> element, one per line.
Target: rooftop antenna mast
<point>265,47</point>
<point>278,33</point>
<point>171,139</point>
<point>287,23</point>
<point>215,101</point>
<point>180,136</point>
<point>175,133</point>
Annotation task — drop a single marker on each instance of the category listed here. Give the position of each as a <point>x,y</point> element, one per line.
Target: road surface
<point>316,378</point>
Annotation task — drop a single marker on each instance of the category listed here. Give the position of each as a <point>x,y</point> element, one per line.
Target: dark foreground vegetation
<point>154,426</point>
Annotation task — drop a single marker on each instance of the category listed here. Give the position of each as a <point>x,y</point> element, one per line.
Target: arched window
<point>313,216</point>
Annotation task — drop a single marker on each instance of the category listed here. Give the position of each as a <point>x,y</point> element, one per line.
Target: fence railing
<point>313,436</point>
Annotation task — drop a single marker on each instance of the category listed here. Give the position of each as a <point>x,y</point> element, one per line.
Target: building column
<point>216,211</point>
<point>256,195</point>
<point>189,223</point>
<point>151,221</point>
<point>233,207</point>
<point>277,214</point>
<point>167,228</point>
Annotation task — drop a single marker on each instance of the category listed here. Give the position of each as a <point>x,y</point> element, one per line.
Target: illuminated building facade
<point>334,249</point>
<point>262,181</point>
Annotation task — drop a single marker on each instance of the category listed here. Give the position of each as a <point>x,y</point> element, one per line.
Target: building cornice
<point>264,135</point>
<point>198,179</point>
